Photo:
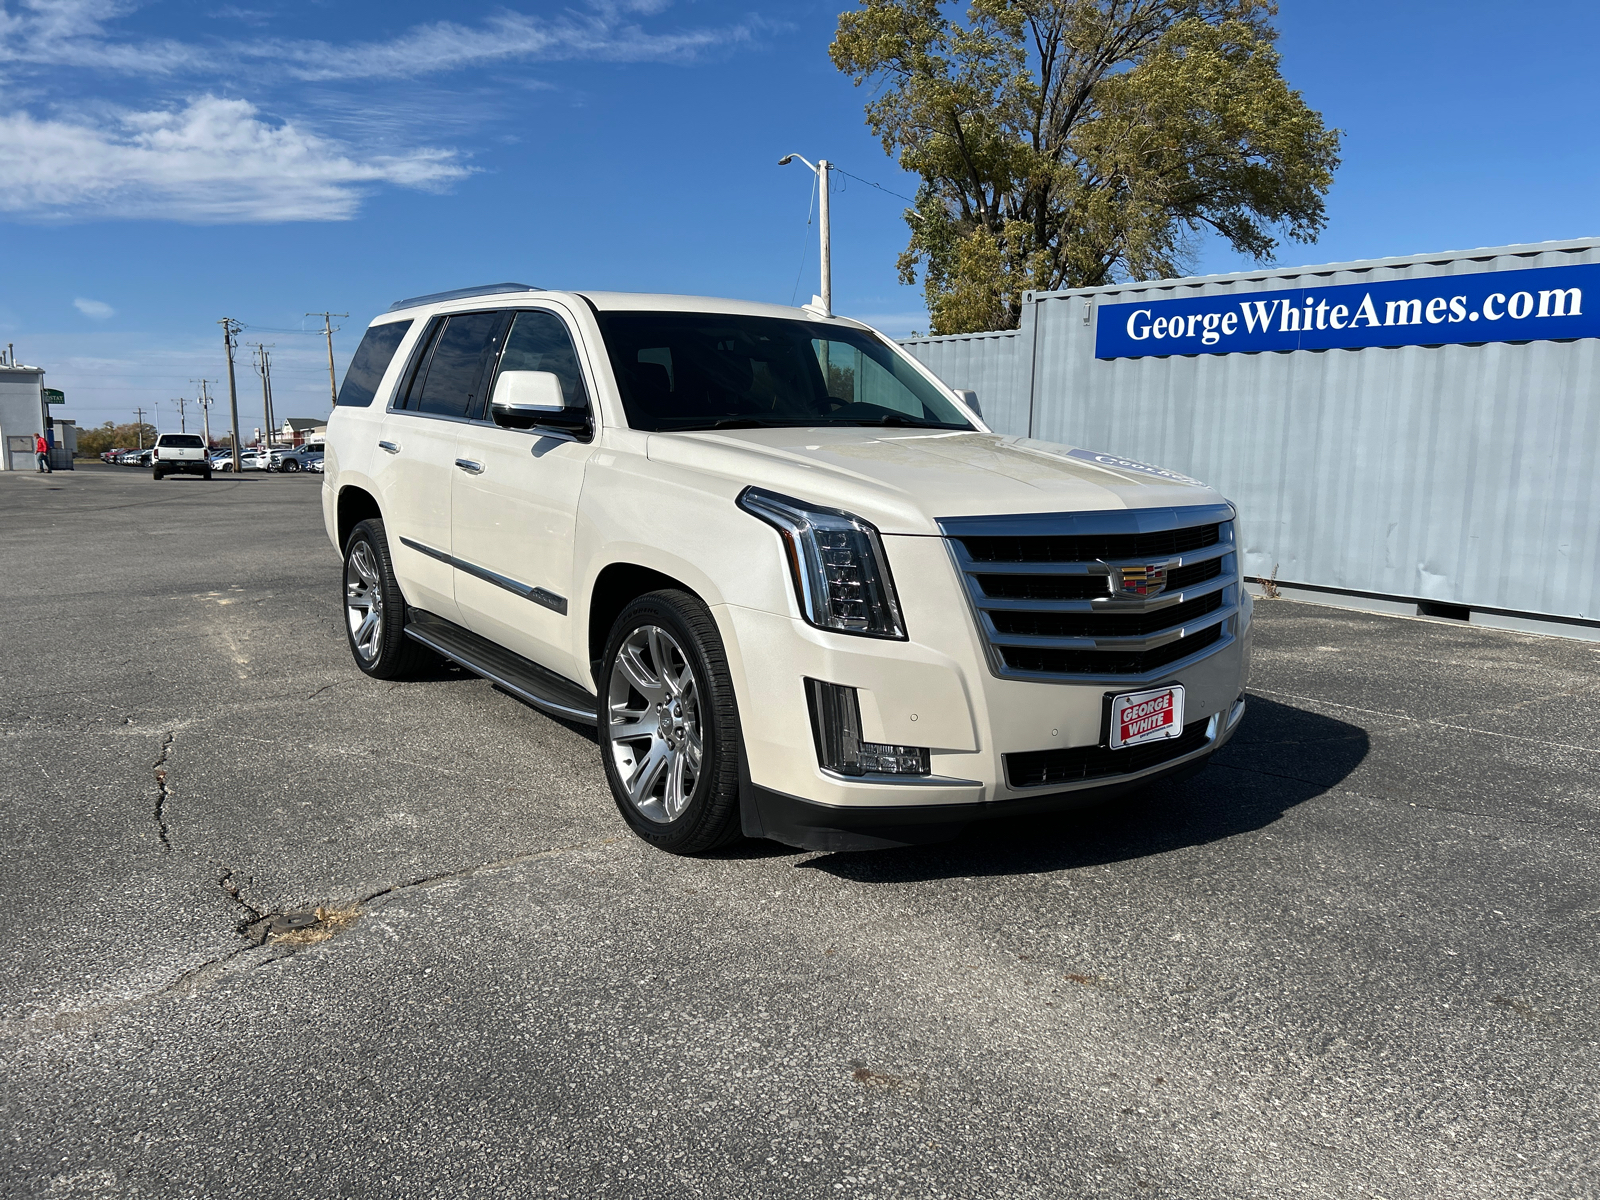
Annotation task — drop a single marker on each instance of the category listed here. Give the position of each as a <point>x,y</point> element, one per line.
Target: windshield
<point>695,371</point>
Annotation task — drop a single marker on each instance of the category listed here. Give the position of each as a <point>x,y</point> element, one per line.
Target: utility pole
<point>205,409</point>
<point>182,425</point>
<point>329,330</point>
<point>230,330</point>
<point>263,365</point>
<point>138,426</point>
<point>822,167</point>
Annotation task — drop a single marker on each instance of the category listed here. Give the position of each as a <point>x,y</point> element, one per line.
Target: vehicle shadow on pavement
<point>1281,756</point>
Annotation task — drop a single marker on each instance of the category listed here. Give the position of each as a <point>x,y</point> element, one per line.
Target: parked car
<point>315,465</point>
<point>800,588</point>
<point>298,458</point>
<point>179,454</point>
<point>222,461</point>
<point>255,460</point>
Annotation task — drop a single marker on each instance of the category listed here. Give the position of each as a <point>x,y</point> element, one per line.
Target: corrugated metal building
<point>22,415</point>
<point>1404,434</point>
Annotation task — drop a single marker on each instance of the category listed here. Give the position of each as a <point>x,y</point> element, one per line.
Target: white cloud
<point>211,161</point>
<point>73,33</point>
<point>99,310</point>
<point>446,46</point>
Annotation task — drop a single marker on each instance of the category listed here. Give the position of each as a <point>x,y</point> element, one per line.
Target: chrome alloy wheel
<point>363,601</point>
<point>654,723</point>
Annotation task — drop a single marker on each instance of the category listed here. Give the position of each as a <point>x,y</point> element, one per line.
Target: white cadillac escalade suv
<point>798,586</point>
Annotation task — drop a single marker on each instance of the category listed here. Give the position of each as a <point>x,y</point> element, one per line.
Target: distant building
<point>24,415</point>
<point>299,430</point>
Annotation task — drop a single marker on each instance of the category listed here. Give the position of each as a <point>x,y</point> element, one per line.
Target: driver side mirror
<point>533,399</point>
<point>970,399</point>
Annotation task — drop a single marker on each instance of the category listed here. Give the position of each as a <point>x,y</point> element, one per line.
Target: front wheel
<point>669,726</point>
<point>290,464</point>
<point>375,609</point>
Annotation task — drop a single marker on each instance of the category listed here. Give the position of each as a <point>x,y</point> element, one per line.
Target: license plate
<point>1148,716</point>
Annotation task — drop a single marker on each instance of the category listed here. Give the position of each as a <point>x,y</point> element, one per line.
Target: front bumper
<point>936,691</point>
<point>795,821</point>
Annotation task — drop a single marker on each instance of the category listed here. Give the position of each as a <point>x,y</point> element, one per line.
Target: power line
<point>879,186</point>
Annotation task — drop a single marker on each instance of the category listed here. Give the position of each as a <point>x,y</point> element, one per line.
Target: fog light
<point>836,725</point>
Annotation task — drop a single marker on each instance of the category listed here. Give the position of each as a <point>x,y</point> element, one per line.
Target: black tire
<point>290,464</point>
<point>711,816</point>
<point>385,653</point>
<point>207,474</point>
<point>156,474</point>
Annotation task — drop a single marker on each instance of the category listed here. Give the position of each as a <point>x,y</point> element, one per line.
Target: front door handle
<point>391,447</point>
<point>470,467</point>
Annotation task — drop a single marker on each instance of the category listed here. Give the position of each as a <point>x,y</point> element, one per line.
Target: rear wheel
<point>207,474</point>
<point>669,727</point>
<point>157,473</point>
<point>375,609</point>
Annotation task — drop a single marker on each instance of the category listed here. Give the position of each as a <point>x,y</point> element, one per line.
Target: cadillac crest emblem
<point>1138,583</point>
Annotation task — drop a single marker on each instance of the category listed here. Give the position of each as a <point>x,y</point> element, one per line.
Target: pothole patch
<point>308,927</point>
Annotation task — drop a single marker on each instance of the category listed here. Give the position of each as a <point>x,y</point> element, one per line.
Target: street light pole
<point>821,168</point>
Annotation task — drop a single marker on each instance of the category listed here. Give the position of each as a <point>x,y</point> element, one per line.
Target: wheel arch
<point>356,504</point>
<point>616,586</point>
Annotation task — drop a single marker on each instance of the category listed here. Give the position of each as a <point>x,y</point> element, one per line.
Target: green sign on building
<point>52,396</point>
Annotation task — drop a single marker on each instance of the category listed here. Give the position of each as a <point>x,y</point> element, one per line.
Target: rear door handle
<point>470,467</point>
<point>391,447</point>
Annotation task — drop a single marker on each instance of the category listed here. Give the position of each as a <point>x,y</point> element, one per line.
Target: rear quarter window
<point>371,360</point>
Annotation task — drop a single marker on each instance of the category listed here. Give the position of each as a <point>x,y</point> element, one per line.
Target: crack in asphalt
<point>257,928</point>
<point>226,882</point>
<point>163,792</point>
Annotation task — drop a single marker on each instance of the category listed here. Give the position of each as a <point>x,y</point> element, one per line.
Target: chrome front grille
<point>1054,593</point>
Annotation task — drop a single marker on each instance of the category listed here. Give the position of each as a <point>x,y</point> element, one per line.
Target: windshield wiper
<point>752,423</point>
<point>897,423</point>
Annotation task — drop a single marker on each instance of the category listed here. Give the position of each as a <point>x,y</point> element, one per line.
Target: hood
<point>903,480</point>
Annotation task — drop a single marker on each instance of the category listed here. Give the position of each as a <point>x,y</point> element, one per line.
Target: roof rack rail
<point>483,289</point>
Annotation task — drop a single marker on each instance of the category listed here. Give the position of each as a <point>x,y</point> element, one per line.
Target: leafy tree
<point>94,442</point>
<point>1072,143</point>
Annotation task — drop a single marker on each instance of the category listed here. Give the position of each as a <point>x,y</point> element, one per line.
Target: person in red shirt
<point>42,448</point>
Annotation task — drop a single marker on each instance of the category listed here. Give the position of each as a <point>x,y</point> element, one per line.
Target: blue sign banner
<point>1537,304</point>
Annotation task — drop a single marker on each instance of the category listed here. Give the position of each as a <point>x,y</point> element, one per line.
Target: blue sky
<point>165,164</point>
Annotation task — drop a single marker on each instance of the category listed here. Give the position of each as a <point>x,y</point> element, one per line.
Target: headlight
<point>841,575</point>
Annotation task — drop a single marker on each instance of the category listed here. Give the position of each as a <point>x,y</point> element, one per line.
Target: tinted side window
<point>372,357</point>
<point>539,341</point>
<point>448,382</point>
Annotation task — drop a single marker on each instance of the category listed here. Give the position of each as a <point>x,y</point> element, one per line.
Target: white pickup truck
<point>798,586</point>
<point>180,454</point>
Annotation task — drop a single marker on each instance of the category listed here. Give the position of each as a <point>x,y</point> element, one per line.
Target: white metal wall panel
<point>1466,474</point>
<point>995,365</point>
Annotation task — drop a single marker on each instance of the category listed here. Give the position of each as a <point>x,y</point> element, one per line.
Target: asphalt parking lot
<point>1357,956</point>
